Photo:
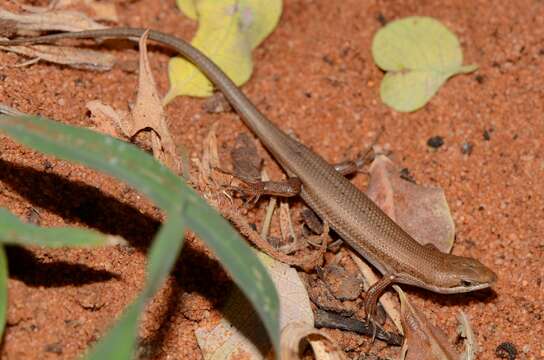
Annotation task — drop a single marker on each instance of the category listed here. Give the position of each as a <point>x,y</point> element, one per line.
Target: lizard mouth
<point>467,287</point>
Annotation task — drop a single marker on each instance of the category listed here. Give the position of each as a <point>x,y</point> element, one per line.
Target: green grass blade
<point>165,249</point>
<point>241,263</point>
<point>98,151</point>
<point>15,232</point>
<point>139,169</point>
<point>3,290</point>
<point>120,341</point>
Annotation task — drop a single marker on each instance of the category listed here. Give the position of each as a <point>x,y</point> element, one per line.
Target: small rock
<point>55,348</point>
<point>90,300</point>
<point>506,350</point>
<point>466,148</point>
<point>435,142</point>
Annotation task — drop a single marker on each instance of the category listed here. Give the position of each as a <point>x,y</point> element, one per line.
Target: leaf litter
<point>397,197</point>
<point>44,20</point>
<point>239,331</point>
<point>77,58</point>
<point>31,23</point>
<point>391,191</point>
<point>146,116</point>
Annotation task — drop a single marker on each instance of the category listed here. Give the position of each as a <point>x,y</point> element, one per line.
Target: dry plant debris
<point>65,55</point>
<point>101,10</point>
<point>51,19</point>
<point>147,115</point>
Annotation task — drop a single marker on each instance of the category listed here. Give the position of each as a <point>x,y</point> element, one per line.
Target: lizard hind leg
<point>371,299</point>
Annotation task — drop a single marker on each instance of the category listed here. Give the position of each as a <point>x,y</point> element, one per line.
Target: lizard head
<point>465,274</point>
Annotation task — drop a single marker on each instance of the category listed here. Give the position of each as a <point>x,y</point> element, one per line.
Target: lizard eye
<point>466,283</point>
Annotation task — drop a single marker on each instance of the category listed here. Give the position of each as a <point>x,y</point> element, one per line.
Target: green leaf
<point>14,231</point>
<point>120,341</point>
<point>227,33</point>
<point>139,169</point>
<point>3,289</point>
<point>419,55</point>
<point>188,8</point>
<point>165,249</point>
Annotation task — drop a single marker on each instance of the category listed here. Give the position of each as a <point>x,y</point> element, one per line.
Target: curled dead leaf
<point>148,113</point>
<point>294,334</point>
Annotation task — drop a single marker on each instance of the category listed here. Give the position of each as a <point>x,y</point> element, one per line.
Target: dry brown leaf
<point>66,55</point>
<point>295,333</point>
<point>422,211</point>
<point>101,10</point>
<point>55,20</point>
<point>148,113</point>
<point>423,340</point>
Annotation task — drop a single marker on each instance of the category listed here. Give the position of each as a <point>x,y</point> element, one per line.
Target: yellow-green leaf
<point>259,18</point>
<point>188,8</point>
<point>419,55</point>
<point>228,31</point>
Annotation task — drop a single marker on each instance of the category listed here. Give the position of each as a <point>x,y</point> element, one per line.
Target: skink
<point>361,223</point>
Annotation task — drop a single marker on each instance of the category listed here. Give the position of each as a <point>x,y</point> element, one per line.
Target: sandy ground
<point>314,76</point>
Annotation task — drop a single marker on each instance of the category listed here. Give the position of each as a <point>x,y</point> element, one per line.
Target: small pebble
<point>466,148</point>
<point>435,142</point>
<point>506,350</point>
<point>381,19</point>
<point>487,135</point>
<point>55,348</point>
